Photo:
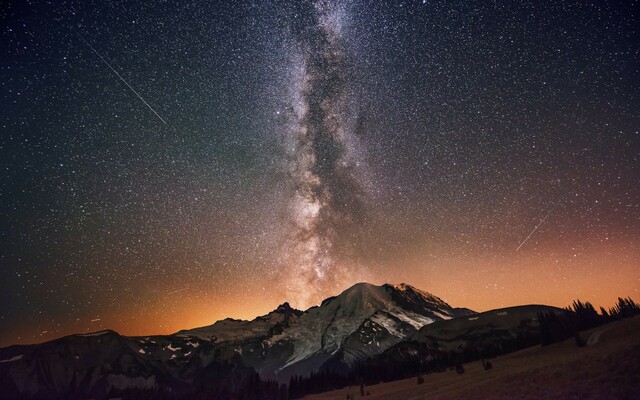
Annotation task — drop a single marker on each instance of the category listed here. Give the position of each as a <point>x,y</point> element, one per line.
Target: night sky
<point>164,165</point>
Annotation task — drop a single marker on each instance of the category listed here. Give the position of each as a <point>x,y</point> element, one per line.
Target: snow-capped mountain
<point>360,322</point>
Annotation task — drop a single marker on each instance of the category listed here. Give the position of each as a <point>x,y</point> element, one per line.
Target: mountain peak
<point>403,287</point>
<point>285,308</point>
<point>413,291</point>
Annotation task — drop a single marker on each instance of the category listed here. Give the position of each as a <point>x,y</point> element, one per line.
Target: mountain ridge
<point>362,321</point>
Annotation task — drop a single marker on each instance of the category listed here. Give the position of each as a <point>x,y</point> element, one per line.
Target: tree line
<point>582,316</point>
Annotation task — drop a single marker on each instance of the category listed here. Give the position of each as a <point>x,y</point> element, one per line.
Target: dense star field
<point>164,165</point>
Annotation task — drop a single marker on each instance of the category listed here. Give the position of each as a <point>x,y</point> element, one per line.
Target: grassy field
<point>608,368</point>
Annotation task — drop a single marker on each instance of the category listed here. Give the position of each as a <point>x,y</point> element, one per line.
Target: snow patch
<point>442,315</point>
<point>173,348</point>
<point>413,319</point>
<point>14,358</point>
<point>387,323</point>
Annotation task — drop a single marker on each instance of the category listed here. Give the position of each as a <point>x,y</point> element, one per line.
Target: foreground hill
<point>442,344</point>
<point>487,331</point>
<point>510,320</point>
<point>607,368</point>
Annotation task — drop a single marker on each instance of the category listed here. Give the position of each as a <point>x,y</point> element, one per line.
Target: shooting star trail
<point>536,228</point>
<point>178,291</point>
<point>122,79</point>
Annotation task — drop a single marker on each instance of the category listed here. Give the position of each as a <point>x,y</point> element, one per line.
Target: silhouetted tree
<point>553,328</point>
<point>625,308</point>
<point>584,315</point>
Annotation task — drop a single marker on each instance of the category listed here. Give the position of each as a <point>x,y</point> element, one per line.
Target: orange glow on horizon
<point>598,275</point>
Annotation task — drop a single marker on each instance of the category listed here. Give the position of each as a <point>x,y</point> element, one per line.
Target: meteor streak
<point>178,291</point>
<point>536,228</point>
<point>122,79</point>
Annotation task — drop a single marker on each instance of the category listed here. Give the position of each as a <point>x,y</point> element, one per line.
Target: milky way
<point>327,208</point>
